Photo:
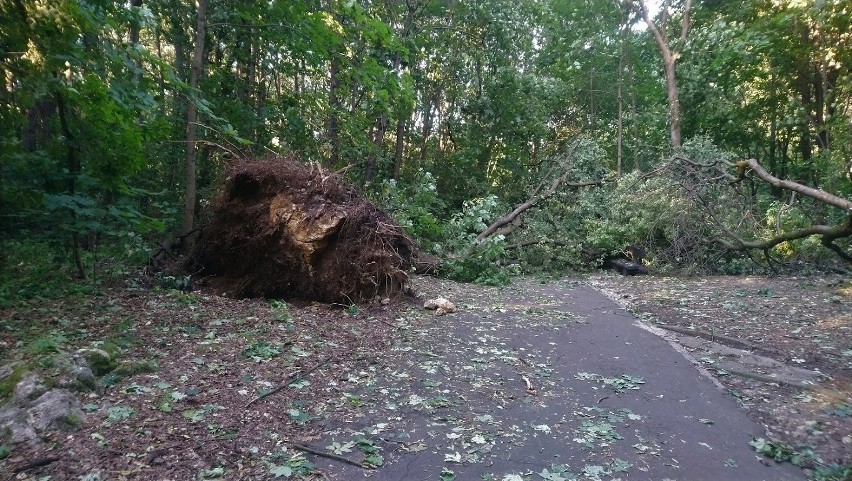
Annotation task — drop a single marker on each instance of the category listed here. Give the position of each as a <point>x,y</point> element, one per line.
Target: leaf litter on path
<point>805,322</point>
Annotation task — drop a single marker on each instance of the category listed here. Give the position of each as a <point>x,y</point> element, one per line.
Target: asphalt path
<point>541,381</point>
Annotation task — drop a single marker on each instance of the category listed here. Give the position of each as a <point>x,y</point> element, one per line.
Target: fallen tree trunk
<point>828,234</point>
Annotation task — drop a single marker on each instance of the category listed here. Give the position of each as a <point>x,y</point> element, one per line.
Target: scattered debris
<point>332,456</point>
<point>627,268</point>
<point>390,362</point>
<point>36,464</point>
<point>779,344</point>
<point>291,378</point>
<point>530,388</point>
<point>440,305</point>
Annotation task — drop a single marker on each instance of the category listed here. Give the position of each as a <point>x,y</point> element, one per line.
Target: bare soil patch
<point>803,322</point>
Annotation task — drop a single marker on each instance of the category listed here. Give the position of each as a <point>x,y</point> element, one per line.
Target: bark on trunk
<point>400,147</point>
<point>670,58</point>
<point>73,166</point>
<point>191,120</point>
<point>334,107</point>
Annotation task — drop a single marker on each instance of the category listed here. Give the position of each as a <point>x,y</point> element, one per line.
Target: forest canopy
<point>717,135</point>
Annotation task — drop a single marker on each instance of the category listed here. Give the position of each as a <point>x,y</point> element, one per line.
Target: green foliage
<point>804,457</point>
<point>482,264</point>
<point>676,217</point>
<point>415,205</point>
<point>371,450</point>
<point>782,452</point>
<point>352,310</point>
<point>261,351</point>
<point>136,366</point>
<point>480,96</point>
<point>178,283</point>
<point>833,472</point>
<point>295,465</point>
<point>579,228</point>
<point>7,385</point>
<point>638,210</point>
<point>470,260</point>
<point>101,361</point>
<point>48,343</point>
<point>37,271</point>
<point>281,310</point>
<point>119,413</point>
<point>68,172</point>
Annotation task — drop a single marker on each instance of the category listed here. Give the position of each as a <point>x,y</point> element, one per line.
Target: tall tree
<point>671,54</point>
<point>192,124</point>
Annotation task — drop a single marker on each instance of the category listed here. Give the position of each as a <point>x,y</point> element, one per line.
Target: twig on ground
<point>388,323</point>
<point>290,380</point>
<point>36,464</point>
<point>153,455</point>
<point>328,455</point>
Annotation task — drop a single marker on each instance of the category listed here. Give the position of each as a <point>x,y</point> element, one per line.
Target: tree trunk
<point>620,100</point>
<point>670,58</point>
<point>592,98</point>
<point>73,167</point>
<point>634,141</point>
<point>773,140</point>
<point>179,37</point>
<point>191,117</point>
<point>427,127</point>
<point>134,25</point>
<point>400,147</point>
<point>334,107</point>
<point>378,135</point>
<point>161,81</point>
<point>674,100</point>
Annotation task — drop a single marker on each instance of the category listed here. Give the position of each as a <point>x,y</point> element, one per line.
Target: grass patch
<point>7,384</point>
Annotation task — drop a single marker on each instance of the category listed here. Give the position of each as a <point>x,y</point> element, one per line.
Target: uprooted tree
<point>724,191</point>
<point>827,233</point>
<point>698,210</point>
<point>286,230</point>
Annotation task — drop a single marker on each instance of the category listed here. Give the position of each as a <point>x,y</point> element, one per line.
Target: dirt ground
<point>804,323</point>
<point>240,384</point>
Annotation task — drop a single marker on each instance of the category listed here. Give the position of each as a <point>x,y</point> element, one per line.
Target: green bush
<point>415,205</point>
<point>469,260</point>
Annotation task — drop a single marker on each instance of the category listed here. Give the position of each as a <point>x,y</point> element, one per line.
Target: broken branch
<point>818,194</point>
<point>290,379</point>
<point>36,464</point>
<point>328,455</point>
<point>828,233</point>
<point>536,197</point>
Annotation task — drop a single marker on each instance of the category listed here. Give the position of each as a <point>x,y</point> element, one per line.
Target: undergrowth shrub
<point>415,205</point>
<point>45,269</point>
<point>467,259</point>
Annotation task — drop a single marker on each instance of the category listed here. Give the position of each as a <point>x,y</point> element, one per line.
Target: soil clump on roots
<point>281,229</point>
